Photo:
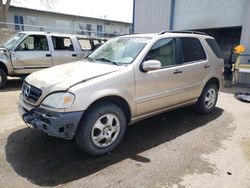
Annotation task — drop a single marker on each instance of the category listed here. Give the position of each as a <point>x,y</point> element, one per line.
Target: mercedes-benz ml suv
<point>127,79</point>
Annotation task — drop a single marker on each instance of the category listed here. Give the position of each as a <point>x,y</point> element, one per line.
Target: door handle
<point>206,66</point>
<point>48,55</point>
<point>74,55</point>
<point>177,71</point>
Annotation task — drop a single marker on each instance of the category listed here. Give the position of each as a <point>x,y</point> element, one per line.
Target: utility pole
<point>104,27</point>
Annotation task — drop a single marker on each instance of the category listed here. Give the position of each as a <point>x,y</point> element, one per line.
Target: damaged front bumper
<point>57,124</point>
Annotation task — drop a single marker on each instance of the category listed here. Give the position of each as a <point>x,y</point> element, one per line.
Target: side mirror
<point>150,65</point>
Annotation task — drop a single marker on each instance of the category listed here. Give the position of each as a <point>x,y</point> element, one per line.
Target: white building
<point>36,20</point>
<point>226,20</point>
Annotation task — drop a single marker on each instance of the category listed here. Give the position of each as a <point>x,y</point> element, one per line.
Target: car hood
<point>64,76</point>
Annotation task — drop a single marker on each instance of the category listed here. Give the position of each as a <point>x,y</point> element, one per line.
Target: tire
<point>3,78</point>
<point>101,129</point>
<point>207,100</point>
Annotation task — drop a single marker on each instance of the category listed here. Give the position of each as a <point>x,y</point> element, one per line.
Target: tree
<point>5,7</point>
<point>48,3</point>
<point>3,11</point>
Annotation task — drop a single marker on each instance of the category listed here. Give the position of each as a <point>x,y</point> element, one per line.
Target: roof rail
<point>190,32</point>
<point>163,32</point>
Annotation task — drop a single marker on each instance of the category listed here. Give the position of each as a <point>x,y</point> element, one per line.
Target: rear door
<point>32,54</point>
<point>195,66</point>
<point>63,50</point>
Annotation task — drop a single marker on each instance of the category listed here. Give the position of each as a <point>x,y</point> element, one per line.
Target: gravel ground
<point>176,149</point>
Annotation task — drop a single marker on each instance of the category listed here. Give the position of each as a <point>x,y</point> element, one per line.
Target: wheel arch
<point>3,67</point>
<point>119,101</point>
<point>214,80</point>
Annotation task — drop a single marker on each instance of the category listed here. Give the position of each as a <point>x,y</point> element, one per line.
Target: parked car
<point>27,52</point>
<point>127,79</point>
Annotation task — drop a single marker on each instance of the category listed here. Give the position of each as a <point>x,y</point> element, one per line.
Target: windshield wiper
<point>106,60</point>
<point>90,59</point>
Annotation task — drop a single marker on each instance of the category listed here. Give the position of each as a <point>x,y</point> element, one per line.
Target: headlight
<point>59,100</point>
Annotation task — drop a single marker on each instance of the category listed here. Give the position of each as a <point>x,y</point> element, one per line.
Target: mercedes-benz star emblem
<point>27,92</point>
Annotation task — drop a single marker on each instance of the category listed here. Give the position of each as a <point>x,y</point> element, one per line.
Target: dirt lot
<point>176,149</point>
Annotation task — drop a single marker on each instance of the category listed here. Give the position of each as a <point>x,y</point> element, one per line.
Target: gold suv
<point>127,79</point>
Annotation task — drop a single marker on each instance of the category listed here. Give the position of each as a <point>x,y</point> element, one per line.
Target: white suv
<point>127,79</point>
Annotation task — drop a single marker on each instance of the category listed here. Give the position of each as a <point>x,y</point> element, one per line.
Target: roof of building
<point>78,16</point>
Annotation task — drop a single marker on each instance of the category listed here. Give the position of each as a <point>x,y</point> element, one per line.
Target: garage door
<point>197,14</point>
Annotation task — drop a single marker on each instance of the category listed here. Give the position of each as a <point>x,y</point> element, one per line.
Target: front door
<point>31,54</point>
<point>159,89</point>
<point>63,50</point>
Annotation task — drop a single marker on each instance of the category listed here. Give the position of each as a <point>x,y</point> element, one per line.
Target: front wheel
<point>207,100</point>
<point>101,129</point>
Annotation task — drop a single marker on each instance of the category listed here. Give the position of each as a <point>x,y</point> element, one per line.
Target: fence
<point>25,27</point>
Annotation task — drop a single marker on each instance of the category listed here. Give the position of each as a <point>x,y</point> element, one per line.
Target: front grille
<point>31,93</point>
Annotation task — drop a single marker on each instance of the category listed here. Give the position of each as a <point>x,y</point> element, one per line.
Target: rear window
<point>192,49</point>
<point>215,47</point>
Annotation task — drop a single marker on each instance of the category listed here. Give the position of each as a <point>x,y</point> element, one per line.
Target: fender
<point>97,95</point>
<point>6,63</point>
<point>208,78</point>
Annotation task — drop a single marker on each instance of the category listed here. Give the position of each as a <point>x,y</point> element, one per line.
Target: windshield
<point>122,50</point>
<point>13,40</point>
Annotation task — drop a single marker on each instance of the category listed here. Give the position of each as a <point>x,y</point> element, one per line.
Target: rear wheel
<point>101,129</point>
<point>208,99</point>
<point>3,78</point>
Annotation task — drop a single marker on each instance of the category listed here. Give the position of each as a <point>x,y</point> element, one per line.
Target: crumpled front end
<point>57,124</point>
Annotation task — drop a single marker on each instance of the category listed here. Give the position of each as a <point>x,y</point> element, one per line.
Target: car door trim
<point>165,93</point>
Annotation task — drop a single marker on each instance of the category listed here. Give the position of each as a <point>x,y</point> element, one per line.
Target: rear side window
<point>215,47</point>
<point>62,43</point>
<point>85,44</point>
<point>192,50</point>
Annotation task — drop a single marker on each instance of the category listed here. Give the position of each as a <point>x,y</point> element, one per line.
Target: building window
<point>31,20</point>
<point>88,27</point>
<point>99,30</point>
<point>18,22</point>
<point>63,24</point>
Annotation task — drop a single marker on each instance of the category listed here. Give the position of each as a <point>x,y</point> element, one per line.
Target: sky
<point>119,10</point>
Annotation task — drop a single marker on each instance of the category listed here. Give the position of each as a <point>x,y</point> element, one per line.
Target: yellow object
<point>239,49</point>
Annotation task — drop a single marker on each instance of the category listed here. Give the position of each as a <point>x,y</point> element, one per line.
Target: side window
<point>96,42</point>
<point>215,47</point>
<point>62,43</point>
<point>34,43</point>
<point>164,50</point>
<point>192,49</point>
<point>85,44</point>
